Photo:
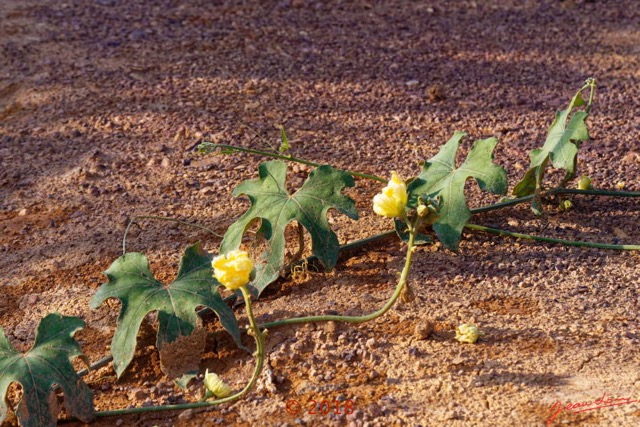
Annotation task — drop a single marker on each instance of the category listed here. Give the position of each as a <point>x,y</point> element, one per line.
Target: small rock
<point>28,301</point>
<point>452,415</point>
<point>355,415</point>
<point>631,157</point>
<point>412,83</point>
<point>331,328</point>
<point>423,330</point>
<point>22,212</point>
<point>436,93</point>
<point>136,394</point>
<point>181,134</point>
<point>186,415</point>
<point>136,35</point>
<point>119,422</point>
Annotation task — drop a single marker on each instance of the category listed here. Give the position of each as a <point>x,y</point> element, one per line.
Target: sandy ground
<point>102,102</point>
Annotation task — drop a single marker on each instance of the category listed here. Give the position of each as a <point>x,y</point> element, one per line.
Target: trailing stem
<point>402,283</point>
<point>552,240</point>
<point>161,218</point>
<point>207,147</point>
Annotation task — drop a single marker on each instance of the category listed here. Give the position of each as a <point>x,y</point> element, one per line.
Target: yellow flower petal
<point>232,269</point>
<point>391,202</point>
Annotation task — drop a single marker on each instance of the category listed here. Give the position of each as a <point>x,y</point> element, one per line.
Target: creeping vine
<point>432,204</point>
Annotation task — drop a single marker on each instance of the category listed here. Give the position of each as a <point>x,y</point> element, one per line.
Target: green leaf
<point>439,176</point>
<point>560,147</point>
<point>44,368</point>
<point>131,281</point>
<point>275,207</point>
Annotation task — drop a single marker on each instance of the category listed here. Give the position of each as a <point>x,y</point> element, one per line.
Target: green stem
<point>286,157</point>
<point>360,319</point>
<point>519,200</point>
<point>501,205</point>
<point>611,193</point>
<point>260,341</point>
<point>136,218</point>
<point>552,240</point>
<point>473,211</point>
<point>346,247</point>
<point>298,255</point>
<point>356,244</point>
<point>591,84</point>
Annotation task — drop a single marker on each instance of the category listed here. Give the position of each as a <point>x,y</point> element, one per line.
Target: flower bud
<point>566,205</point>
<point>233,269</point>
<point>391,202</point>
<point>584,183</point>
<point>468,333</point>
<point>215,385</point>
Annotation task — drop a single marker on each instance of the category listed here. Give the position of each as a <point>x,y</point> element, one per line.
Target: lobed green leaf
<point>275,207</point>
<point>440,177</point>
<point>131,281</point>
<point>46,366</point>
<point>560,147</point>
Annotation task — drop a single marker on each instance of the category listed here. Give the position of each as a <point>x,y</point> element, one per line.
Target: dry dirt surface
<point>103,101</point>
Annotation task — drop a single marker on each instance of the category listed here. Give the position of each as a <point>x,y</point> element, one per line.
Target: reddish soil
<point>103,101</point>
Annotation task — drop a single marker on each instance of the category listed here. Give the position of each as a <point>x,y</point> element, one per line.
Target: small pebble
<point>423,329</point>
<point>186,415</point>
<point>136,394</point>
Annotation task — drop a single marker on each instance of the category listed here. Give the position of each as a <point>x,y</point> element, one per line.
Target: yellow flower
<point>232,269</point>
<point>468,333</point>
<point>392,200</point>
<point>215,385</point>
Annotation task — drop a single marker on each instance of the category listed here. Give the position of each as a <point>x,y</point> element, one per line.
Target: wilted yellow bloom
<point>232,269</point>
<point>392,200</point>
<point>621,185</point>
<point>584,183</point>
<point>215,385</point>
<point>468,333</point>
